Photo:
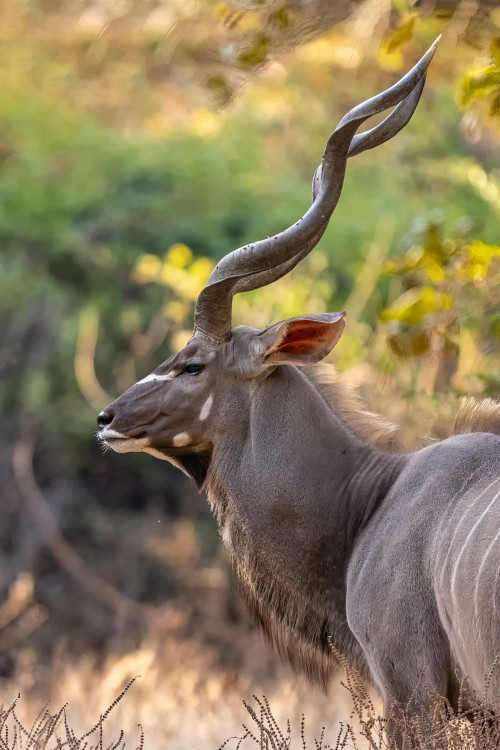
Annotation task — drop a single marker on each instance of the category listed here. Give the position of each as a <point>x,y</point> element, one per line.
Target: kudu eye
<point>193,369</point>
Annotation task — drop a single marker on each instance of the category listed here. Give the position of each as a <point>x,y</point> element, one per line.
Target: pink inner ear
<point>303,337</point>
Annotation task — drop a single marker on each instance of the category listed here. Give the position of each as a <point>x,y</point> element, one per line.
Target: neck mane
<point>346,403</point>
<point>473,415</point>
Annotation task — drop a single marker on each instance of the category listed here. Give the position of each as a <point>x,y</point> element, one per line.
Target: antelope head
<point>181,410</point>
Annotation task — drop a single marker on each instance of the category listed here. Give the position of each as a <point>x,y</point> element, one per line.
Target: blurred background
<point>141,140</point>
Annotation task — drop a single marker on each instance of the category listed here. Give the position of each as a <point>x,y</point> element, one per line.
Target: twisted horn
<point>382,132</point>
<point>260,263</point>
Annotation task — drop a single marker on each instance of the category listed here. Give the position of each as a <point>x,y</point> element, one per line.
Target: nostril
<point>104,419</point>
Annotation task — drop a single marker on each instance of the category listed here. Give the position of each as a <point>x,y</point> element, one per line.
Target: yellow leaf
<point>435,272</point>
<point>179,255</point>
<point>221,11</point>
<point>175,311</point>
<point>402,35</point>
<point>205,124</point>
<point>147,269</point>
<point>390,61</point>
<point>412,306</point>
<point>483,254</point>
<point>201,269</point>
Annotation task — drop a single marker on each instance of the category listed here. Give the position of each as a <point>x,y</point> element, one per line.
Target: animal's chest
<point>279,570</point>
<point>278,593</point>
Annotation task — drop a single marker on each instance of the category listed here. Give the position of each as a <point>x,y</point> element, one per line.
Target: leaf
<point>281,17</point>
<point>147,269</point>
<point>222,11</point>
<point>397,346</point>
<point>419,344</point>
<point>179,255</point>
<point>257,53</point>
<point>401,36</point>
<point>435,272</point>
<point>482,254</point>
<point>495,105</point>
<point>413,305</point>
<point>495,50</point>
<point>482,84</point>
<point>220,87</point>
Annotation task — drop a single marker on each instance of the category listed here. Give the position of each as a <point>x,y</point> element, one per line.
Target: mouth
<point>121,443</point>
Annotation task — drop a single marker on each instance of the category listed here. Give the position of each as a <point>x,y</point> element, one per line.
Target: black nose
<point>104,419</point>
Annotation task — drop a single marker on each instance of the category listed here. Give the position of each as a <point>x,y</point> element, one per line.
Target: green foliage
<point>399,38</point>
<point>449,283</point>
<point>483,84</point>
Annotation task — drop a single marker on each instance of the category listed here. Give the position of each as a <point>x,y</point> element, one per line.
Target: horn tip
<point>435,43</point>
<point>431,51</point>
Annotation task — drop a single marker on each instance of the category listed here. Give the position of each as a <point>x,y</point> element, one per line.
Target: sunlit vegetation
<point>139,142</point>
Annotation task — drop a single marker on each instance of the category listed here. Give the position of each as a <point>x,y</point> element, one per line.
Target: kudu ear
<point>301,341</point>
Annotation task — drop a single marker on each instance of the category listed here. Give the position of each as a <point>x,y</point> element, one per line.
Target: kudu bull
<point>393,557</point>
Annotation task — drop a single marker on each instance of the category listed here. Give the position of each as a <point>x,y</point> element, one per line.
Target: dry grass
<point>473,726</point>
<point>184,700</point>
<point>183,696</point>
<point>53,730</point>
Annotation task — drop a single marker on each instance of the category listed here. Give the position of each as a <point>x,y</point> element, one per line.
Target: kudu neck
<point>292,487</point>
<point>290,450</point>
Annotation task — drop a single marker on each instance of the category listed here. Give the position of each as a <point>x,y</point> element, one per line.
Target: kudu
<point>393,557</point>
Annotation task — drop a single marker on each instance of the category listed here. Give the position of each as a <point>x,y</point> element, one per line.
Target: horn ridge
<point>259,263</point>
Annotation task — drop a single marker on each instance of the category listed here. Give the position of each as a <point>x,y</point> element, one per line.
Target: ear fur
<point>303,340</point>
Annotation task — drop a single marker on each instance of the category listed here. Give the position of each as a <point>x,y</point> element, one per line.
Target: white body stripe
<point>458,494</point>
<point>468,538</point>
<point>495,584</point>
<point>476,587</point>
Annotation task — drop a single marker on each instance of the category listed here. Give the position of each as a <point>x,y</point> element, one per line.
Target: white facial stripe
<point>181,439</point>
<point>205,409</point>
<point>154,377</point>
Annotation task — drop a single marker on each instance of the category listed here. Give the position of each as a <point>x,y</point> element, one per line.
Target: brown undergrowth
<point>473,725</point>
<point>183,697</point>
<point>53,730</point>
